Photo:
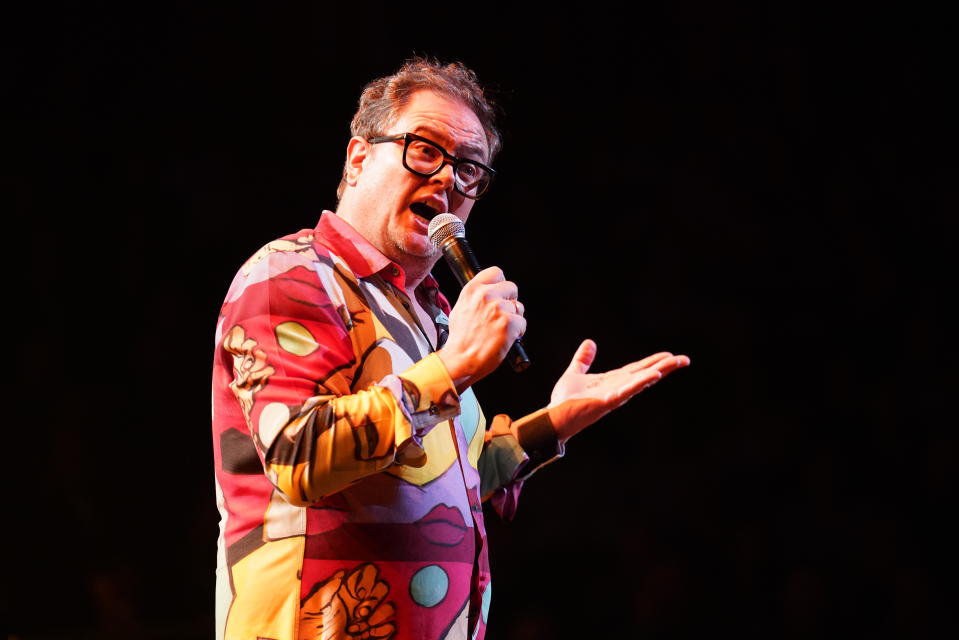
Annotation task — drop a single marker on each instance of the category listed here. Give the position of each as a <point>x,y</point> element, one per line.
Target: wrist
<point>457,369</point>
<point>566,419</point>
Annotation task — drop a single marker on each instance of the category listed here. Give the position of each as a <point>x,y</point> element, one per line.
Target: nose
<point>445,176</point>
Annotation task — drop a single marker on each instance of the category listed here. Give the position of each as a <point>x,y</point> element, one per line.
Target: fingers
<point>637,383</point>
<point>583,358</point>
<point>658,366</point>
<point>518,325</point>
<point>668,365</point>
<point>663,361</point>
<point>489,275</point>
<point>504,289</point>
<point>490,284</point>
<point>648,361</point>
<point>494,291</point>
<point>512,305</point>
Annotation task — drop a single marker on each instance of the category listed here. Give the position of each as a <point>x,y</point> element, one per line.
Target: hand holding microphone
<point>487,320</point>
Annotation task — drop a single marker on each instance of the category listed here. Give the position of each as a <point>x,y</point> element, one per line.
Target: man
<point>351,454</point>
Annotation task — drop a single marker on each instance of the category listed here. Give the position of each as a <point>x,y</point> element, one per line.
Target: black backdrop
<point>769,189</point>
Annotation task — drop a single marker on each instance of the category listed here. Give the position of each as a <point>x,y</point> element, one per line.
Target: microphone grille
<point>444,226</point>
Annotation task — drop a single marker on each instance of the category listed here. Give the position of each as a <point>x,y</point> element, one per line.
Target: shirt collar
<point>363,259</point>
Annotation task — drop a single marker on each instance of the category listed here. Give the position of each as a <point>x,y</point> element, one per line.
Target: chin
<point>418,246</point>
<point>416,251</point>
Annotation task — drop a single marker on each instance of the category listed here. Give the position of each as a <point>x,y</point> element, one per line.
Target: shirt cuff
<point>428,394</point>
<point>537,436</point>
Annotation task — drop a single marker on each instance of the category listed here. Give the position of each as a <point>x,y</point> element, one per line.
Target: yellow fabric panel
<point>440,454</point>
<point>271,610</point>
<point>345,452</point>
<point>430,376</point>
<point>479,436</point>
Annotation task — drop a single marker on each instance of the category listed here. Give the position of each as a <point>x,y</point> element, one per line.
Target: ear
<point>357,151</point>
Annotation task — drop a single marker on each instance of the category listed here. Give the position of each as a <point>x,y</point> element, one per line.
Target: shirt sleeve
<point>294,354</point>
<point>513,451</point>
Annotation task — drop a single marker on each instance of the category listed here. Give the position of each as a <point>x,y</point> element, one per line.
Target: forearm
<point>332,441</point>
<point>319,388</point>
<point>515,449</point>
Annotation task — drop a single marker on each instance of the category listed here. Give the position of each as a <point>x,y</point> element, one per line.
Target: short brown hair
<point>383,99</point>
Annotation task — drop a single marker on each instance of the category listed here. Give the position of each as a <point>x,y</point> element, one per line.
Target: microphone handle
<point>465,266</point>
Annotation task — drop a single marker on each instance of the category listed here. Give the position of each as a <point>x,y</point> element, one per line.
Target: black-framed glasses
<point>426,158</point>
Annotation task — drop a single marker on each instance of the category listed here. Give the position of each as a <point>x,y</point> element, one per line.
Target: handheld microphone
<point>448,233</point>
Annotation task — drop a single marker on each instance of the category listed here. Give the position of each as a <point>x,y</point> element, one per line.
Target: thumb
<point>583,358</point>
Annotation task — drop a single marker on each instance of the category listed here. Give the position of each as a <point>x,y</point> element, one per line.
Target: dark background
<point>769,188</point>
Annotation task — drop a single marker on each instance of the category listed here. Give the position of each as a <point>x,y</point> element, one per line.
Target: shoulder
<point>296,255</point>
<point>295,249</point>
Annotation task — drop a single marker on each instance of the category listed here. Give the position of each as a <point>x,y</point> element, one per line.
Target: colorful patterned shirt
<point>349,471</point>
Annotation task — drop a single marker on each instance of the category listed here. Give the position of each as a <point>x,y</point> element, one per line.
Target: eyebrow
<point>467,148</point>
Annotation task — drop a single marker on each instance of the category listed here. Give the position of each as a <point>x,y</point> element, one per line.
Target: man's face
<point>384,190</point>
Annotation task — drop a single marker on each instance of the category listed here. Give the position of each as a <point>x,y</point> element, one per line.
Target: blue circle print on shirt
<point>429,585</point>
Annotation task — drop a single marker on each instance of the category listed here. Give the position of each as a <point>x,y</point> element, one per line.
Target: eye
<point>468,171</point>
<point>424,151</point>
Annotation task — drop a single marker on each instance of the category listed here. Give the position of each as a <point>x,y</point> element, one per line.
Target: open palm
<point>580,398</point>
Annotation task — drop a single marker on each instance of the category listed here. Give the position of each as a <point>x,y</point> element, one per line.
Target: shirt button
<point>394,271</point>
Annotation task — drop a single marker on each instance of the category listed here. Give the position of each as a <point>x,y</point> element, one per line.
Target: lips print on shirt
<point>443,525</point>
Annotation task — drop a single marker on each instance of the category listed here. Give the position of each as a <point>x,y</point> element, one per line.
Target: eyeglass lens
<point>427,158</point>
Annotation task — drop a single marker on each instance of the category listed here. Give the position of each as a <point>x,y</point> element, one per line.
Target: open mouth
<point>424,210</point>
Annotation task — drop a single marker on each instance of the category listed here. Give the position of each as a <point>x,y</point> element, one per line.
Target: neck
<point>415,271</point>
<point>415,267</point>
